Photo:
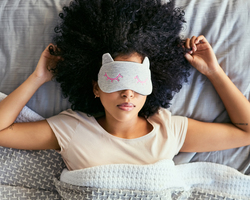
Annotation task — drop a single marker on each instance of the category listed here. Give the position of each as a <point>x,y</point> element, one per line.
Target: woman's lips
<point>126,106</point>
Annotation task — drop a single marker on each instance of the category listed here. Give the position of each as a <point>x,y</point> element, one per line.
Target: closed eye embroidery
<point>139,81</point>
<point>112,79</point>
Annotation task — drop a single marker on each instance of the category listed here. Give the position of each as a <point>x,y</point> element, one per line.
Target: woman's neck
<point>135,128</point>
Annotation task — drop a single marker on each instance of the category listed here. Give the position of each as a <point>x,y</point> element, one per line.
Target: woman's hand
<point>201,55</point>
<point>46,62</point>
<point>203,136</point>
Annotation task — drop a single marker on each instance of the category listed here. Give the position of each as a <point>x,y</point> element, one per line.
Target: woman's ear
<point>95,88</point>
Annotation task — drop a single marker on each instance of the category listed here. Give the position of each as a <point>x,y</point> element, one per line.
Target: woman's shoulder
<point>170,124</point>
<point>163,115</point>
<point>72,115</point>
<point>69,120</point>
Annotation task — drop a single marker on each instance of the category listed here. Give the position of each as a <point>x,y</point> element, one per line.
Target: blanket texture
<point>162,180</point>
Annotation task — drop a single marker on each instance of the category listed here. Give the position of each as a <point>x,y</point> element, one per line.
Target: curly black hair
<point>90,28</point>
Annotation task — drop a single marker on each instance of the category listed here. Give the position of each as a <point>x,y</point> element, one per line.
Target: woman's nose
<point>127,93</point>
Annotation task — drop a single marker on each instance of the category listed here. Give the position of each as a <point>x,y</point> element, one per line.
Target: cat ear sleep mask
<point>123,75</point>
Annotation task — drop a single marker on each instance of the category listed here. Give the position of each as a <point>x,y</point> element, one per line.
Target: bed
<point>26,28</point>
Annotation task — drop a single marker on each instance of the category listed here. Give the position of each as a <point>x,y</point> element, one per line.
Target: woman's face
<point>122,105</point>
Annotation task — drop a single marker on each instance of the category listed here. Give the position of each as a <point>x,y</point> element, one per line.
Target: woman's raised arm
<point>12,105</point>
<point>202,136</point>
<point>26,135</point>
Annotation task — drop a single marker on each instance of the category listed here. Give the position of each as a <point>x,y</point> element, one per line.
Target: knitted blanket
<point>161,180</point>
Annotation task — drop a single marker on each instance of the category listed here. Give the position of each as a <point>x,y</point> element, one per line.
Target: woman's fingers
<point>52,50</point>
<point>193,42</point>
<point>189,57</point>
<point>187,43</point>
<point>190,44</point>
<point>200,39</point>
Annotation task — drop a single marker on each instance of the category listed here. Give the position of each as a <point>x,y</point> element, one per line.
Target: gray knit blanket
<point>161,180</point>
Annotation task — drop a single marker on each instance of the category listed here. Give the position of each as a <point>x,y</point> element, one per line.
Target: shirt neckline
<point>124,139</point>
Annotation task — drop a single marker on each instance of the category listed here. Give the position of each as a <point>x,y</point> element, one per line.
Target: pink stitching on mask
<point>139,81</point>
<point>112,79</point>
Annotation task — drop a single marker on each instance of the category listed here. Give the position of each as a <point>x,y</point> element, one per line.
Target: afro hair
<point>88,29</point>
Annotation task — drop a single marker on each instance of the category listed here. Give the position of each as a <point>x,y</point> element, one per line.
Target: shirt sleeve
<point>179,127</point>
<point>63,126</point>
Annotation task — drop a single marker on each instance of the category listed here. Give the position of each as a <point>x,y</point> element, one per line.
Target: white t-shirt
<point>84,143</point>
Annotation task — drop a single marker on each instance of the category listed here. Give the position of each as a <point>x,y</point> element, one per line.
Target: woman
<point>128,122</point>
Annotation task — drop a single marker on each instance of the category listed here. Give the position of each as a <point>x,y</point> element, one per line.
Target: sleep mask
<point>124,75</point>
